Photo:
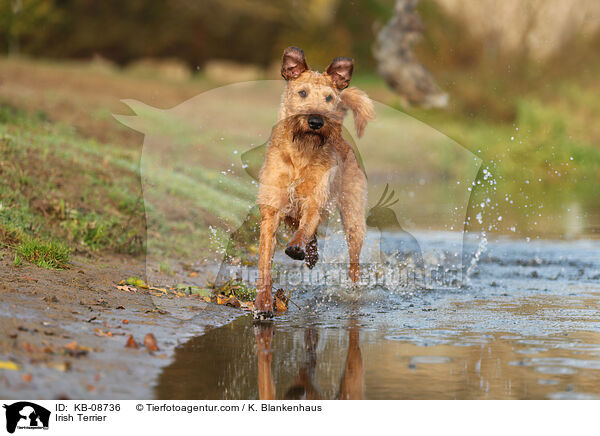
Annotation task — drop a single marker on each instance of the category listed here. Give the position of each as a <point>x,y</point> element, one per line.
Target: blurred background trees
<point>255,31</point>
<point>521,75</point>
<point>523,38</point>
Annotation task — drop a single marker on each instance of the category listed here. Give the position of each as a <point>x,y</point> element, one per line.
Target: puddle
<point>520,338</point>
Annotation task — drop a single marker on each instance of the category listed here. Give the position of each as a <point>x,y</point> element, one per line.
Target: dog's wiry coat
<point>309,169</point>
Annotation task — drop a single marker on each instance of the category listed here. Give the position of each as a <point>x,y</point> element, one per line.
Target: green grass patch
<point>45,254</point>
<point>235,287</point>
<point>60,186</point>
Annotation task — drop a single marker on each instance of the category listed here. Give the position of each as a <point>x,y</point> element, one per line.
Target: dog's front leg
<point>269,222</point>
<point>311,215</point>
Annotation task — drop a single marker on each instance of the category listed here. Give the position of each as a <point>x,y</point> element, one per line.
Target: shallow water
<point>527,326</point>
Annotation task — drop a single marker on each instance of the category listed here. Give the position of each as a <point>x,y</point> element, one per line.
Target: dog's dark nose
<point>315,122</point>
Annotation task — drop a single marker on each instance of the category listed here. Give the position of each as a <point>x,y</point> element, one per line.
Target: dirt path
<point>43,311</point>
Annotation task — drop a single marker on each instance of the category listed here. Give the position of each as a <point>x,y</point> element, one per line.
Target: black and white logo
<point>26,415</point>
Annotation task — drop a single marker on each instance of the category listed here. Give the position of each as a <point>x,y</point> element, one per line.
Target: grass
<point>45,254</point>
<point>236,288</point>
<point>55,189</point>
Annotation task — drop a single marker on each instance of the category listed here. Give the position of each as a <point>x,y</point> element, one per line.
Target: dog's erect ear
<point>293,63</point>
<point>340,69</point>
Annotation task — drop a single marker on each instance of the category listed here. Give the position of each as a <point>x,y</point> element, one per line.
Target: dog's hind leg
<point>353,202</point>
<point>355,235</point>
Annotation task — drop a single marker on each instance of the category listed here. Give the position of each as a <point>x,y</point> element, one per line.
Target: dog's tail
<point>361,106</point>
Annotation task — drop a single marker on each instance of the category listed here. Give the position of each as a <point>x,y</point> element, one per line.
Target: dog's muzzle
<point>315,122</point>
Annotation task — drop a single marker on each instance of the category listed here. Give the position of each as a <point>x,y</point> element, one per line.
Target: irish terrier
<point>309,169</point>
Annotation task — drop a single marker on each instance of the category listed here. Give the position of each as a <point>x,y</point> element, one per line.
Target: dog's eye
<point>302,93</point>
<point>329,98</point>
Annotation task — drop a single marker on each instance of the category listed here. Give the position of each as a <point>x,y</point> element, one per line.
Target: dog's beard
<point>307,138</point>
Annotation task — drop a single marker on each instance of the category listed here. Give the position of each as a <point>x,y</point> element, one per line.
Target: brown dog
<point>309,169</point>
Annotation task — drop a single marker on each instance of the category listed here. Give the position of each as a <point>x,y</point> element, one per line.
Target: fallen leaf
<point>136,281</point>
<point>200,292</point>
<point>228,301</point>
<point>28,347</point>
<point>125,321</point>
<point>131,343</point>
<point>90,388</point>
<point>193,274</point>
<point>9,365</point>
<point>150,342</point>
<point>26,378</point>
<point>60,366</point>
<point>71,346</point>
<point>101,333</point>
<point>126,288</point>
<point>234,302</point>
<point>156,310</point>
<point>281,301</point>
<point>72,349</point>
<point>280,306</point>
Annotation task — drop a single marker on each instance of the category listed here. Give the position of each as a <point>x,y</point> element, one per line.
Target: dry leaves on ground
<point>11,366</point>
<point>150,343</point>
<point>131,343</point>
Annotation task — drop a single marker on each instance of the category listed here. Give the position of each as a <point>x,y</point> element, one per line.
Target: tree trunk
<point>398,65</point>
<point>13,38</point>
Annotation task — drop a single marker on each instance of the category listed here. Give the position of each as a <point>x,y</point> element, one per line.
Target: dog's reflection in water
<point>303,387</point>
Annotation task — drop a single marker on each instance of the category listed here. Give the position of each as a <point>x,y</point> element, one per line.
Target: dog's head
<point>316,103</point>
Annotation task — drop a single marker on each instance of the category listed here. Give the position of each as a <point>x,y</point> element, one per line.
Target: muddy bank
<point>64,332</point>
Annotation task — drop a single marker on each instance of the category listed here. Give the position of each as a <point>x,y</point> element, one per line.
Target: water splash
<point>480,250</point>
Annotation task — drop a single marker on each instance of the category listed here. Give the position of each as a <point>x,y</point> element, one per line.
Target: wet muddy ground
<point>527,326</point>
<point>63,333</point>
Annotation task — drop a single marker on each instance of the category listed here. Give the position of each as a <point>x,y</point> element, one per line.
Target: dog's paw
<point>354,272</point>
<point>295,252</point>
